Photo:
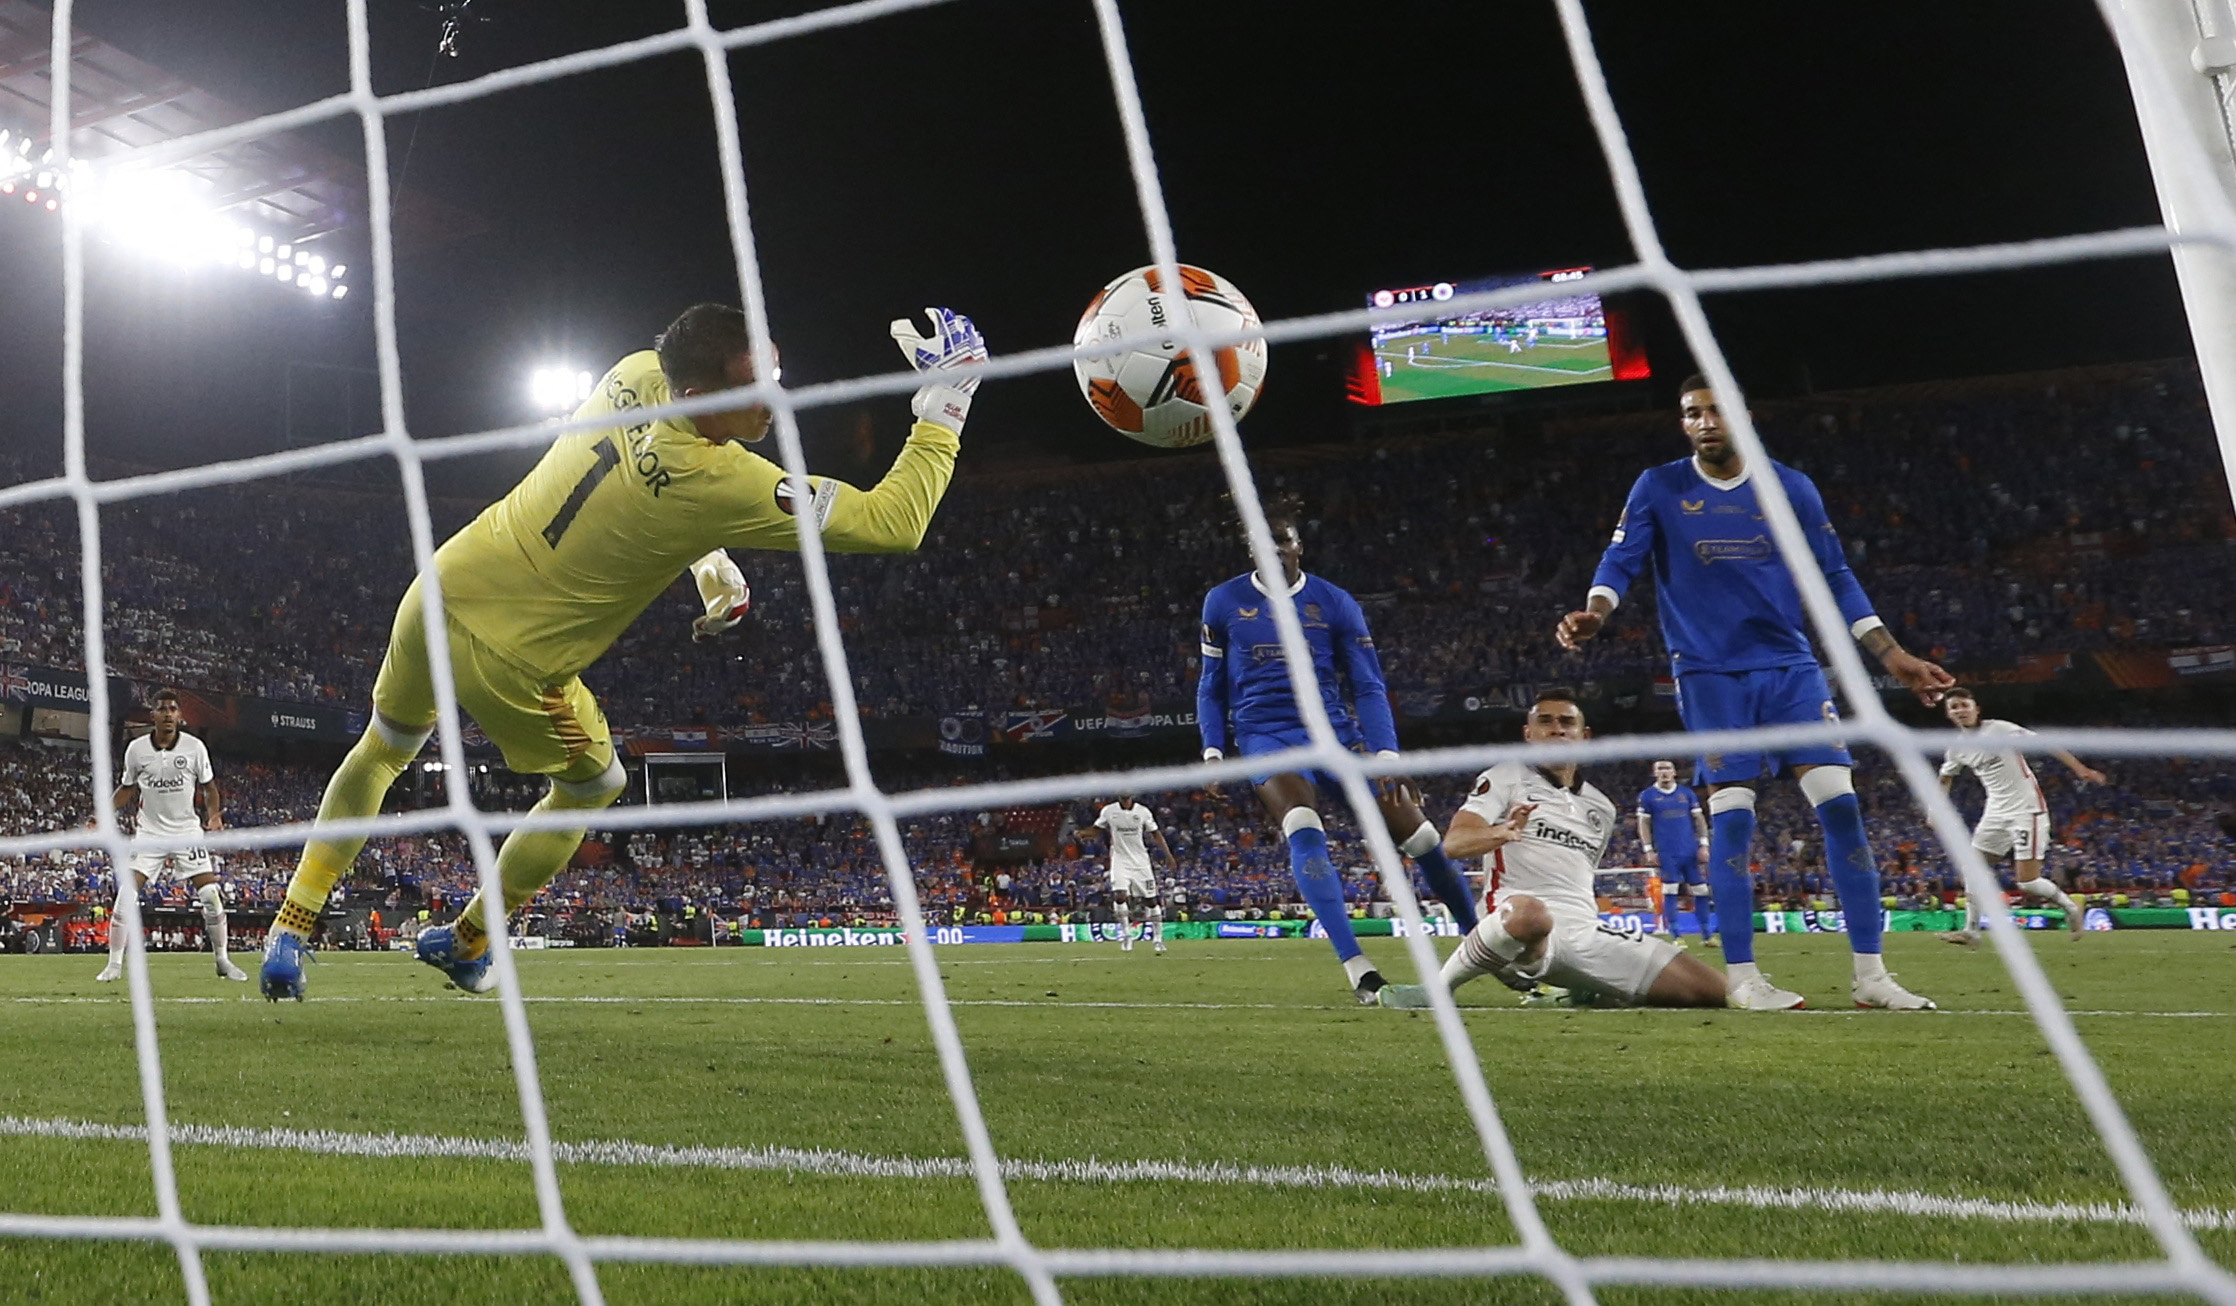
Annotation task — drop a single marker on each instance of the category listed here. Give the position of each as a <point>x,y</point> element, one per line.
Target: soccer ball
<point>1151,393</point>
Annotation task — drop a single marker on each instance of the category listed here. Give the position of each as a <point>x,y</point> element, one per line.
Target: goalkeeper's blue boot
<point>438,947</point>
<point>282,974</point>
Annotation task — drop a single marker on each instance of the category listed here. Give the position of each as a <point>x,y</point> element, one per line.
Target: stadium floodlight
<point>559,389</point>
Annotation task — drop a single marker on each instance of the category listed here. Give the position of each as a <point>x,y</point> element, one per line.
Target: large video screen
<point>1563,339</point>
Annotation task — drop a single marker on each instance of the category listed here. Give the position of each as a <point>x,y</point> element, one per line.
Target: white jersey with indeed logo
<point>1563,839</point>
<point>2010,782</point>
<point>167,779</point>
<point>1129,828</point>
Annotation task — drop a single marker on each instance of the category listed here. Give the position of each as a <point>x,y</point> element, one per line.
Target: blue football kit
<point>1676,838</point>
<point>1243,696</point>
<point>1739,649</point>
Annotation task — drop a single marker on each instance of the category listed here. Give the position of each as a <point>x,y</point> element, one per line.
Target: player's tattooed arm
<point>1925,679</point>
<point>1470,835</point>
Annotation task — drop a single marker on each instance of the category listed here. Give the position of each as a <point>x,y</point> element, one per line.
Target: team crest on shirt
<point>178,764</point>
<point>1596,819</point>
<point>1312,614</point>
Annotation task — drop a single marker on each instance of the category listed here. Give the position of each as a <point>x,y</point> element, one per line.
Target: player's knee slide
<point>1731,798</point>
<point>1421,840</point>
<point>407,742</point>
<point>1300,818</point>
<point>598,791</point>
<point>1825,783</point>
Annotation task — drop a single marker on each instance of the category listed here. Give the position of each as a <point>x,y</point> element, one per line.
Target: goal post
<point>2181,68</point>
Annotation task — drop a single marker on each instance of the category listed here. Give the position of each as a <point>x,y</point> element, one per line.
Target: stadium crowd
<point>2066,517</point>
<point>2150,834</point>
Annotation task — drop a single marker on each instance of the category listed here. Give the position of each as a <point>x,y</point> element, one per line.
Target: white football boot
<point>110,973</point>
<point>226,970</point>
<point>1757,993</point>
<point>1967,938</point>
<point>1881,992</point>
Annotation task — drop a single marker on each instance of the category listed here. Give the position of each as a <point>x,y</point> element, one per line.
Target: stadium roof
<point>284,183</point>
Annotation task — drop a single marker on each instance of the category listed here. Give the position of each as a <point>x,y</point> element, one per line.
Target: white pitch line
<point>832,1163</point>
<point>1053,1004</point>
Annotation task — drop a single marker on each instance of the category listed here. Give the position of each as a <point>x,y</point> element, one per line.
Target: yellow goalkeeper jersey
<point>550,575</point>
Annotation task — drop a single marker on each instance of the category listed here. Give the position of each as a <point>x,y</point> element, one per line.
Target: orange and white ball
<point>1150,392</point>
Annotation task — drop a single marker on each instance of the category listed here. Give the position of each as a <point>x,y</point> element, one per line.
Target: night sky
<point>970,155</point>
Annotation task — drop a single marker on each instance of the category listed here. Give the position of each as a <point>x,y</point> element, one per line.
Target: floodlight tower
<point>2181,67</point>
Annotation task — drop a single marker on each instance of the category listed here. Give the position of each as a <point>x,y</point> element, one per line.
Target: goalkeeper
<point>538,586</point>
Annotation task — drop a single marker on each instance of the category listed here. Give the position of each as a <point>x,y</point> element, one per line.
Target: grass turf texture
<point>1473,365</point>
<point>827,1049</point>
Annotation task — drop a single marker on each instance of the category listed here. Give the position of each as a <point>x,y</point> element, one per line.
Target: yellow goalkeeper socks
<point>531,859</point>
<point>356,790</point>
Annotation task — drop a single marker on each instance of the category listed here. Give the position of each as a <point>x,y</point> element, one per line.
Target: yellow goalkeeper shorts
<point>542,728</point>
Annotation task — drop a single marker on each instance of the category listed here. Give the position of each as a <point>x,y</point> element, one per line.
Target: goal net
<point>2181,1267</point>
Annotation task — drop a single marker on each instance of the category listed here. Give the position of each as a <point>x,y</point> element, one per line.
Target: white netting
<point>2184,1267</point>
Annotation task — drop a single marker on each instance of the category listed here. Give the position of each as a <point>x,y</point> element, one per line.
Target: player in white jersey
<point>2017,818</point>
<point>1541,832</point>
<point>1129,825</point>
<point>167,772</point>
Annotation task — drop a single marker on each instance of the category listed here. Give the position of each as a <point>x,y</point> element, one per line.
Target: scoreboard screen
<point>1564,339</point>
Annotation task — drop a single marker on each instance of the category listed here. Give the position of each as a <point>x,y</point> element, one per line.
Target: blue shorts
<point>1676,870</point>
<point>1273,741</point>
<point>1735,700</point>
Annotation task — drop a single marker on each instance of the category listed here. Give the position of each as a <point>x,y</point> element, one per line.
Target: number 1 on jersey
<point>609,458</point>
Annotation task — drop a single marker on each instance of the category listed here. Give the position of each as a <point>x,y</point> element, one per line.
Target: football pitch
<point>1227,1095</point>
<point>1472,364</point>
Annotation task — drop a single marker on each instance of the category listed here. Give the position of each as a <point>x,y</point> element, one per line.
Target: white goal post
<point>2181,68</point>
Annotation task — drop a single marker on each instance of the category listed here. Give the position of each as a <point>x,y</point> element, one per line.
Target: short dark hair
<point>1958,691</point>
<point>696,349</point>
<point>163,696</point>
<point>1691,383</point>
<point>1558,694</point>
<point>1279,506</point>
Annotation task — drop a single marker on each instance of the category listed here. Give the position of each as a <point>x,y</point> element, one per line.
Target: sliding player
<point>1541,831</point>
<point>2017,817</point>
<point>1244,694</point>
<point>1739,647</point>
<point>1675,835</point>
<point>537,587</point>
<point>167,772</point>
<point>1131,875</point>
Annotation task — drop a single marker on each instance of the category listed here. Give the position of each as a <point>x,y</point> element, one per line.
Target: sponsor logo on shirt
<point>1712,551</point>
<point>1692,505</point>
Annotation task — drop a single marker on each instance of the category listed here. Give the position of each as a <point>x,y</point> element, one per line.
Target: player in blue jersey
<point>1675,835</point>
<point>1244,698</point>
<point>1739,647</point>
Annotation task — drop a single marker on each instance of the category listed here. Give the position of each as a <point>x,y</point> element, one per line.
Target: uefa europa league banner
<point>206,710</point>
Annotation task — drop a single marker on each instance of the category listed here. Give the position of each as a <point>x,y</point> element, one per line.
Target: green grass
<point>1469,364</point>
<point>829,1049</point>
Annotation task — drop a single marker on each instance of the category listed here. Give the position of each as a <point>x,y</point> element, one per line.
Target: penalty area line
<point>832,1163</point>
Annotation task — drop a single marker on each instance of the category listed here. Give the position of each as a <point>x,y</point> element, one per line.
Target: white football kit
<point>1129,828</point>
<point>167,779</point>
<point>2016,819</point>
<point>1562,843</point>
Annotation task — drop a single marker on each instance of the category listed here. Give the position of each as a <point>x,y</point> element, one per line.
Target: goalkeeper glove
<point>953,342</point>
<point>723,589</point>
